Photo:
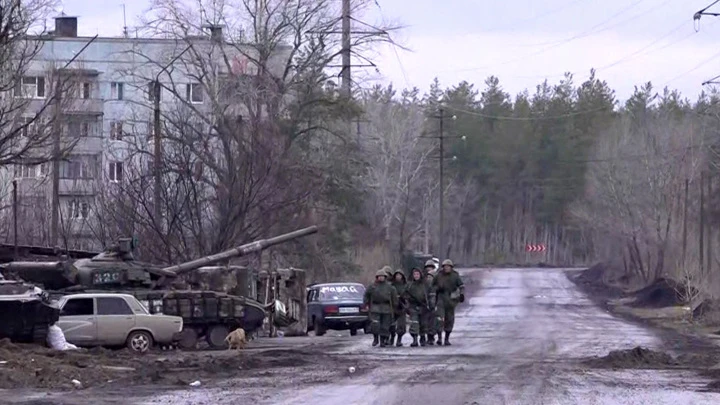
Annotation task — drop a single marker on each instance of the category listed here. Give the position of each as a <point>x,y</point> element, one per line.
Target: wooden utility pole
<point>442,186</point>
<point>685,223</point>
<point>157,165</point>
<point>345,51</point>
<point>702,222</point>
<point>15,219</point>
<point>708,227</point>
<point>57,134</point>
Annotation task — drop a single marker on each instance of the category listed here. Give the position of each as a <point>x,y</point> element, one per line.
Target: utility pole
<point>685,223</point>
<point>157,167</point>
<point>702,222</point>
<point>442,185</point>
<point>57,129</point>
<point>345,72</point>
<point>15,219</point>
<point>708,240</point>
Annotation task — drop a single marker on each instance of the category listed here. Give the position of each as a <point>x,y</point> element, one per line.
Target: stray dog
<point>236,339</point>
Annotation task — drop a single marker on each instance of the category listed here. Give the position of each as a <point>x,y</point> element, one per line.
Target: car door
<point>77,321</point>
<point>115,319</point>
<point>312,305</point>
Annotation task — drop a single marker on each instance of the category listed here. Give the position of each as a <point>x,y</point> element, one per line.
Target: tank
<point>207,314</point>
<point>25,312</point>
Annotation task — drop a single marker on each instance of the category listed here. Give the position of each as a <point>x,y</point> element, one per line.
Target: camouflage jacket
<point>446,284</point>
<point>382,298</point>
<point>419,294</point>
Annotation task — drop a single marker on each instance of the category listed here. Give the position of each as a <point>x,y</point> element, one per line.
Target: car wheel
<point>188,339</point>
<point>318,327</point>
<point>353,332</point>
<point>139,341</point>
<point>216,335</point>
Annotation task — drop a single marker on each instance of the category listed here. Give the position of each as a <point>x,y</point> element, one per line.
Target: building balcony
<point>80,106</point>
<point>77,187</point>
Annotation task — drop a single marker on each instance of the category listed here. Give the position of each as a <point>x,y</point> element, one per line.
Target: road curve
<point>516,341</point>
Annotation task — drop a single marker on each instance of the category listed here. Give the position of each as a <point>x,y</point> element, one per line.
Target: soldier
<point>429,267</point>
<point>417,294</point>
<point>450,291</point>
<point>430,314</point>
<point>400,321</point>
<point>381,298</point>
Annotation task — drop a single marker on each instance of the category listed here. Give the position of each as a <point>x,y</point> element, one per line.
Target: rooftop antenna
<point>125,28</point>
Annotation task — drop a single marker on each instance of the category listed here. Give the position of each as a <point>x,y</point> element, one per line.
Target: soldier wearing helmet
<point>399,325</point>
<point>450,291</point>
<point>430,267</point>
<point>381,299</point>
<point>430,314</point>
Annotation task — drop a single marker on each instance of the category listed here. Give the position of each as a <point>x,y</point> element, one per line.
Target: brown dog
<point>236,339</point>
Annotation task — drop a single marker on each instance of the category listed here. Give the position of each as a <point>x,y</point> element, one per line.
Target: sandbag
<point>56,339</point>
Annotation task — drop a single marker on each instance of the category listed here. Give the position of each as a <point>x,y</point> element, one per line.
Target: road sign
<point>535,248</point>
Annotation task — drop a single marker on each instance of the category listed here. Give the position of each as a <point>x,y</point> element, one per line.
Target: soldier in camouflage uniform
<point>399,326</point>
<point>429,267</point>
<point>450,291</point>
<point>418,297</point>
<point>381,299</point>
<point>430,313</point>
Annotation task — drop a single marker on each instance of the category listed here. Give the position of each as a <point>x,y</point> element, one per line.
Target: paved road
<point>516,341</point>
<point>514,344</point>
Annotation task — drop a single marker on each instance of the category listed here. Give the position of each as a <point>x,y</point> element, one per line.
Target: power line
<point>565,41</point>
<point>511,118</point>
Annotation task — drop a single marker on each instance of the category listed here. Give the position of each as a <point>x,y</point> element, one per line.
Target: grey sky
<point>520,41</point>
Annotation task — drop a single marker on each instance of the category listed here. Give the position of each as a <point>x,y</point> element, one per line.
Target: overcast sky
<point>522,42</point>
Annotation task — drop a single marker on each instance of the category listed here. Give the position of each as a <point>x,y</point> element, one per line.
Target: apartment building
<point>106,114</point>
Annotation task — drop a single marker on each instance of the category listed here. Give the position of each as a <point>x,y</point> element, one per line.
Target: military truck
<point>411,260</point>
<point>207,314</point>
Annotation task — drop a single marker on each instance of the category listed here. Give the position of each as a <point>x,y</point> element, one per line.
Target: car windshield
<point>342,292</point>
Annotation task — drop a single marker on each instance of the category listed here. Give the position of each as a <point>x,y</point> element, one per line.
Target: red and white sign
<point>535,248</point>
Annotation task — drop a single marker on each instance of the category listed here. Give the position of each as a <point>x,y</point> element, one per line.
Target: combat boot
<point>383,341</point>
<point>398,343</point>
<point>376,340</point>
<point>414,342</point>
<point>447,339</point>
<point>439,339</point>
<point>422,340</point>
<point>430,340</point>
<point>392,339</point>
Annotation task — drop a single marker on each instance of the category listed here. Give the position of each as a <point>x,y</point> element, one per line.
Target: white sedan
<point>107,319</point>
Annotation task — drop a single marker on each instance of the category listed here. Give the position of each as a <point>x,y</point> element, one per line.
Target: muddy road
<point>523,337</point>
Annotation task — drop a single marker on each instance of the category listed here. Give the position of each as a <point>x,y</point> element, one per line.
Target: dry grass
<point>371,259</point>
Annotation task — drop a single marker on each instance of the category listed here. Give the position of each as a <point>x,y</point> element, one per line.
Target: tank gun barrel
<point>237,251</point>
<point>36,266</point>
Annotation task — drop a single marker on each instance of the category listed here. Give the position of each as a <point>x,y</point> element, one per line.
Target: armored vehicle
<point>25,312</point>
<point>206,314</point>
<point>411,260</point>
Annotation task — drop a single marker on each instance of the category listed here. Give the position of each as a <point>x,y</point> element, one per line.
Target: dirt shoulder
<point>39,368</point>
<point>692,340</point>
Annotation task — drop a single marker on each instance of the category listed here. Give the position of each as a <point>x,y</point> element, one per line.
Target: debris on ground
<point>708,313</point>
<point>638,357</point>
<point>596,280</point>
<point>662,293</point>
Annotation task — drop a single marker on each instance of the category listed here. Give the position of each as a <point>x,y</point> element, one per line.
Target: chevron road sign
<point>535,248</point>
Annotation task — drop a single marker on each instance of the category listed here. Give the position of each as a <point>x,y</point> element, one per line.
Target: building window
<point>26,171</point>
<point>28,127</point>
<point>116,171</point>
<point>193,93</point>
<point>85,90</point>
<point>78,167</point>
<point>79,209</point>
<point>151,92</point>
<point>116,130</point>
<point>31,87</point>
<point>116,90</point>
<point>78,128</point>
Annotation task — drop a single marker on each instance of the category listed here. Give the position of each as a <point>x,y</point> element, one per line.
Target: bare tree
<point>251,131</point>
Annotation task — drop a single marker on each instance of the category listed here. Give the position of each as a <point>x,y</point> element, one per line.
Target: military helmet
<point>381,272</point>
<point>448,262</point>
<point>429,263</point>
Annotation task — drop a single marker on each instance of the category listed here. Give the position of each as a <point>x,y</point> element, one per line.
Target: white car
<point>107,319</point>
